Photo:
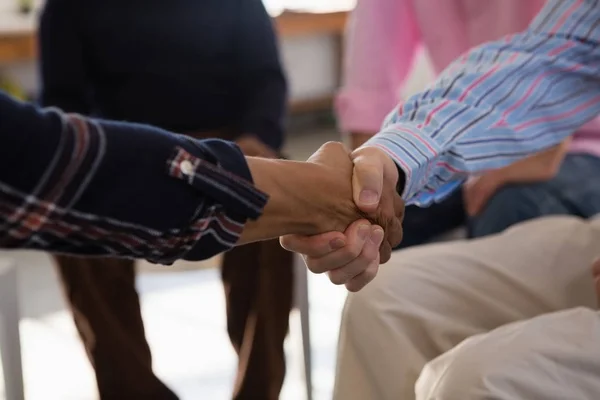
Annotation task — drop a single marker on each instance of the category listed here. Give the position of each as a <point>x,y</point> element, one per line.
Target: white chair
<point>301,301</point>
<point>10,342</point>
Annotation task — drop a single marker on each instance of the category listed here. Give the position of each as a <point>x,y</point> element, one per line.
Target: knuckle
<point>313,265</point>
<point>283,243</point>
<point>357,284</point>
<point>287,242</point>
<point>332,145</point>
<point>371,273</point>
<point>354,286</point>
<point>362,152</point>
<point>385,253</point>
<point>397,239</point>
<point>337,277</point>
<point>395,234</point>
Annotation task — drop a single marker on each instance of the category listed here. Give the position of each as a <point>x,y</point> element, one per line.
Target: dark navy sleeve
<point>83,186</point>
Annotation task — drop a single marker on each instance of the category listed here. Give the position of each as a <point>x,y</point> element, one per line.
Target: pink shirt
<point>384,37</point>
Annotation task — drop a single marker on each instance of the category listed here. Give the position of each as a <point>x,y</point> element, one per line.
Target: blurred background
<point>183,306</point>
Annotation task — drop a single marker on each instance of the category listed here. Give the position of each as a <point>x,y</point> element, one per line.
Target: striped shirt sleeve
<point>499,102</point>
<point>75,185</point>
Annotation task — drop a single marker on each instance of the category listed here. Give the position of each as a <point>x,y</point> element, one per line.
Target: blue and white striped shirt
<point>500,102</point>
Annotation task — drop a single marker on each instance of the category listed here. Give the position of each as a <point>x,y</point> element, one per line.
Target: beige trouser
<point>507,317</point>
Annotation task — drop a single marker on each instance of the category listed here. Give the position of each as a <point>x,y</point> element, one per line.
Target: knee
<point>366,309</point>
<point>357,307</point>
<point>459,373</point>
<point>504,362</point>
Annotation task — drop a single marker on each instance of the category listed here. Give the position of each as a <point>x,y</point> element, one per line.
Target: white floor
<point>184,314</point>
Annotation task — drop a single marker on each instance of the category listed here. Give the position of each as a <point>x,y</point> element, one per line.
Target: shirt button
<point>186,167</point>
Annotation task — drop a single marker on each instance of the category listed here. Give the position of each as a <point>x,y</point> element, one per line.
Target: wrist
<point>290,208</point>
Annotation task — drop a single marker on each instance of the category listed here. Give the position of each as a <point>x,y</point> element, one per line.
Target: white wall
<point>310,64</point>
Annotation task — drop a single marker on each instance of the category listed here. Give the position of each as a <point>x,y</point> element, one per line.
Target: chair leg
<point>301,279</point>
<point>10,342</point>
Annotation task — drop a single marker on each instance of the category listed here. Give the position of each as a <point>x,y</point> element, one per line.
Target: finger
<point>357,235</point>
<point>385,252</point>
<point>360,281</point>
<point>367,182</point>
<point>327,150</point>
<point>399,207</point>
<point>314,246</point>
<point>393,237</point>
<point>394,231</point>
<point>360,264</point>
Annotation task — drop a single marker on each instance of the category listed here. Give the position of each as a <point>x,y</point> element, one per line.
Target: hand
<point>354,256</point>
<point>309,198</point>
<point>350,258</point>
<point>388,210</point>
<point>305,198</point>
<point>251,146</point>
<point>337,208</point>
<point>374,189</point>
<point>478,191</point>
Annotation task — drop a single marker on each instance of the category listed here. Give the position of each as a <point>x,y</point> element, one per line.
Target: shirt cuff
<point>416,155</point>
<point>222,173</point>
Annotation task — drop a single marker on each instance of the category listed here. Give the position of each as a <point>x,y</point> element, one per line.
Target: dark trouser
<point>421,225</point>
<point>258,281</point>
<point>575,190</point>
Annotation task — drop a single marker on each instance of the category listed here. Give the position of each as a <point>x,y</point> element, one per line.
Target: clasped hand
<point>352,258</point>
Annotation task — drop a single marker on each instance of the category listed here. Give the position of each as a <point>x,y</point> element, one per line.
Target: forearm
<point>286,182</point>
<point>78,186</point>
<point>307,198</point>
<point>537,168</point>
<point>499,103</point>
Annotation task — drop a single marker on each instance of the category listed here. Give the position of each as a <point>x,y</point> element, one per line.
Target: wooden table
<point>18,39</point>
<point>19,45</point>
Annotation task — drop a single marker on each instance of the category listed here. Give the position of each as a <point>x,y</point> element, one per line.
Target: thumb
<point>367,182</point>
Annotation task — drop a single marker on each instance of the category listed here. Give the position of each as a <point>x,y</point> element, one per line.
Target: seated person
<point>207,69</point>
<point>375,76</point>
<point>562,180</point>
<point>508,316</point>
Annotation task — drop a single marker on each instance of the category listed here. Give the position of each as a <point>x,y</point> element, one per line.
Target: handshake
<point>340,210</point>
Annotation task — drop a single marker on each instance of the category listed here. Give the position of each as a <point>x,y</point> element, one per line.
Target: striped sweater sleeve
<point>499,102</point>
<point>76,185</point>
